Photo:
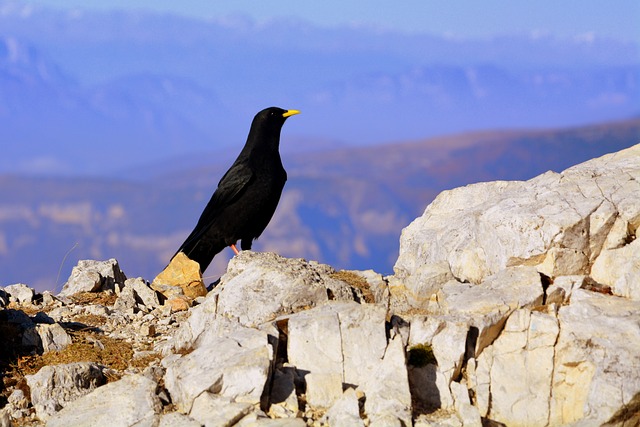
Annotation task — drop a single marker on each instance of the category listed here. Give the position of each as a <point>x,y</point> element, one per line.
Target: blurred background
<point>118,118</point>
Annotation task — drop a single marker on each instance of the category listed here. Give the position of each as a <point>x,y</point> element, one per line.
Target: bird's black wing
<point>230,187</point>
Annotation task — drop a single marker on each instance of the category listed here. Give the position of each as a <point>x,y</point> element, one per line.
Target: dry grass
<point>356,281</point>
<point>144,361</point>
<point>114,354</point>
<point>92,320</point>
<point>103,298</point>
<point>28,309</point>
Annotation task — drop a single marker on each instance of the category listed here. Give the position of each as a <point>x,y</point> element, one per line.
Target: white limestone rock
<point>559,292</point>
<point>176,419</point>
<point>596,365</point>
<point>54,387</point>
<point>258,287</point>
<point>126,301</point>
<point>619,268</point>
<point>323,389</point>
<point>314,343</point>
<point>377,285</point>
<point>466,412</point>
<point>513,376</point>
<point>212,410</point>
<point>20,293</point>
<point>17,399</point>
<point>487,306</point>
<point>349,339</point>
<point>129,401</point>
<point>446,337</point>
<point>235,366</point>
<point>556,222</point>
<point>345,412</point>
<point>5,417</point>
<point>143,292</point>
<point>93,276</point>
<point>465,319</point>
<point>424,282</point>
<point>53,337</point>
<point>388,398</point>
<point>253,420</point>
<point>202,318</point>
<point>576,366</point>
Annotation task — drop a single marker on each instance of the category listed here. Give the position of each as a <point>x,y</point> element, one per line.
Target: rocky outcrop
<point>528,293</point>
<point>512,302</point>
<point>93,276</point>
<point>561,223</point>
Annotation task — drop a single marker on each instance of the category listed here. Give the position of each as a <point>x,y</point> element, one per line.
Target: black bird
<point>247,195</point>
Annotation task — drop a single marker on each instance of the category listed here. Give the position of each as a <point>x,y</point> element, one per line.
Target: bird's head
<point>274,115</point>
<point>267,124</point>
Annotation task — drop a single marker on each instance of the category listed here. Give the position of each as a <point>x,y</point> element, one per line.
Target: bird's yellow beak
<point>290,113</point>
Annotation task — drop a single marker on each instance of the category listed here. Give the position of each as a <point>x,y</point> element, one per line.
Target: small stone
<point>212,410</point>
<point>53,337</point>
<point>95,341</point>
<point>97,310</point>
<point>93,276</point>
<point>147,330</point>
<point>20,293</point>
<point>178,303</point>
<point>126,301</point>
<point>167,291</point>
<point>18,400</point>
<point>143,292</point>
<point>61,314</point>
<point>5,418</point>
<point>184,273</point>
<point>48,298</point>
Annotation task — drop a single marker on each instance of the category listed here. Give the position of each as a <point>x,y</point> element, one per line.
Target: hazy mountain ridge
<point>137,87</point>
<point>345,207</point>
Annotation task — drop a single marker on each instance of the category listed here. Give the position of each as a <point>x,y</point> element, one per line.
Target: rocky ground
<point>512,303</point>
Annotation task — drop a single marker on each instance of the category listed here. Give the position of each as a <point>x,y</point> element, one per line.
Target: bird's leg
<point>235,250</point>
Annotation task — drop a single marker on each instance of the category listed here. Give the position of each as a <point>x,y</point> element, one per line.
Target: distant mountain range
<point>99,93</point>
<point>115,127</point>
<point>342,206</point>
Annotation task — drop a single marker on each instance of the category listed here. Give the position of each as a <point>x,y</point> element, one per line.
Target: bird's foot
<point>235,250</point>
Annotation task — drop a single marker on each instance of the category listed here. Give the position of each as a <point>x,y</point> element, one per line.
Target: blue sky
<point>618,19</point>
